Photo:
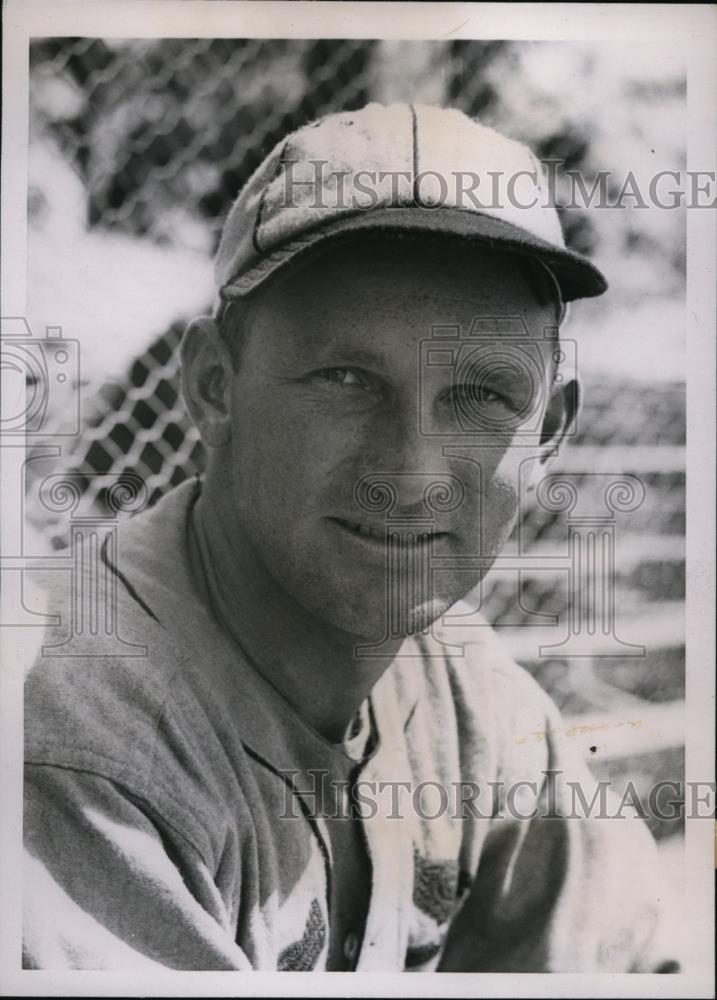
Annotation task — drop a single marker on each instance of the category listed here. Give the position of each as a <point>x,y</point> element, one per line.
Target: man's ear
<point>560,416</point>
<point>207,375</point>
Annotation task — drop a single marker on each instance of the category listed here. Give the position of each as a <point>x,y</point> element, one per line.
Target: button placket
<point>389,844</point>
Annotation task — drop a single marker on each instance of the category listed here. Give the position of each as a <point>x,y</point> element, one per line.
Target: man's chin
<point>375,623</point>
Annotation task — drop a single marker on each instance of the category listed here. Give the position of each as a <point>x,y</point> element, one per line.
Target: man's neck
<point>313,665</point>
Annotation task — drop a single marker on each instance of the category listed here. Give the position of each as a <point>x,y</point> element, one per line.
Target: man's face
<point>336,384</point>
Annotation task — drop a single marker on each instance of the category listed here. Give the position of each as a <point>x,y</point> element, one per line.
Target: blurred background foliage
<point>137,148</point>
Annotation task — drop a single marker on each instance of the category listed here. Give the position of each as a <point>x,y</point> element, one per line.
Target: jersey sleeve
<point>568,877</point>
<point>108,884</point>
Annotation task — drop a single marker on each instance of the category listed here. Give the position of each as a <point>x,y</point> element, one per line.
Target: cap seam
<point>262,199</point>
<point>414,133</point>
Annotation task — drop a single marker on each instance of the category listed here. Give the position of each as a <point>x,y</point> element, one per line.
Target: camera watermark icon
<point>45,374</point>
<point>42,375</point>
<point>40,399</point>
<point>501,378</point>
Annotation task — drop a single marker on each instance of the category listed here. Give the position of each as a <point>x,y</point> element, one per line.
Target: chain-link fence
<point>162,135</point>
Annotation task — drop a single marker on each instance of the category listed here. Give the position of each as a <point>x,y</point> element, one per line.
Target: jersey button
<point>351,947</point>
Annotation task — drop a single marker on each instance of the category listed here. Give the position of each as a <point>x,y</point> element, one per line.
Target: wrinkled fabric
<point>173,815</point>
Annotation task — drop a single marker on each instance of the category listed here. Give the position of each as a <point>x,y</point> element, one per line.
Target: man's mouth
<point>380,535</point>
<point>363,530</point>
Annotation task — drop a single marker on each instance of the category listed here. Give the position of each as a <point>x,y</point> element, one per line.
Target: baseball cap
<point>396,170</point>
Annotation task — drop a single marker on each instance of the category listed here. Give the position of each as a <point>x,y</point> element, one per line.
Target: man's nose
<point>410,475</point>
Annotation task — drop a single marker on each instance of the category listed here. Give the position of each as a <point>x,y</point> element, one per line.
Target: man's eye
<point>476,395</point>
<point>344,377</point>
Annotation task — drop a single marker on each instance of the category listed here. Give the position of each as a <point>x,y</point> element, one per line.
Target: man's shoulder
<point>100,678</point>
<point>95,692</point>
<point>132,715</point>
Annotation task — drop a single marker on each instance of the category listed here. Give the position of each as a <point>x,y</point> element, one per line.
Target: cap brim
<point>577,277</point>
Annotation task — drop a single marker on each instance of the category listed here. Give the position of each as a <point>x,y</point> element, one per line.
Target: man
<point>375,390</point>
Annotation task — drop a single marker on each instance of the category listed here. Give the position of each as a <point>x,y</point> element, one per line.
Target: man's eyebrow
<point>336,353</point>
<point>481,371</point>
